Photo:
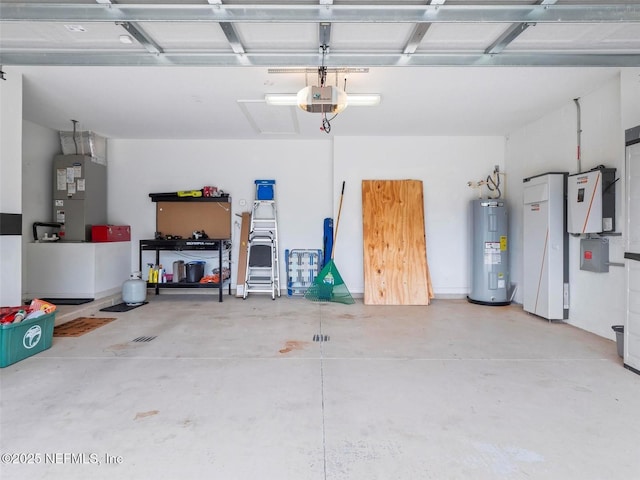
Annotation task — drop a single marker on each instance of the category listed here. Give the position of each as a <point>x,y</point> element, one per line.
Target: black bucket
<point>195,271</point>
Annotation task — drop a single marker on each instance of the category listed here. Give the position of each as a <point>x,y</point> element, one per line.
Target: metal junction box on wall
<point>594,255</point>
<point>591,201</point>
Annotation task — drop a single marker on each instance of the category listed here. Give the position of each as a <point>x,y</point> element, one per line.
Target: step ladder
<point>263,267</point>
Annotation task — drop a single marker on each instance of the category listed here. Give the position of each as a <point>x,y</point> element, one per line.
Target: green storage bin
<point>24,339</point>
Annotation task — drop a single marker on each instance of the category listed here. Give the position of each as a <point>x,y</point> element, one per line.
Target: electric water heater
<point>490,255</point>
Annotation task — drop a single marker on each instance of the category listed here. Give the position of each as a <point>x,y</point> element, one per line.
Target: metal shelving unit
<point>222,245</point>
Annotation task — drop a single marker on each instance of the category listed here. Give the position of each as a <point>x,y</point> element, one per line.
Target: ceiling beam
<point>293,59</point>
<point>142,37</point>
<point>230,32</point>
<point>136,31</point>
<point>509,35</point>
<point>418,33</point>
<point>232,37</point>
<point>513,32</point>
<point>585,13</point>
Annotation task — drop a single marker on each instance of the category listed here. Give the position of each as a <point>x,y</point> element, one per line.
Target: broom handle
<point>335,233</point>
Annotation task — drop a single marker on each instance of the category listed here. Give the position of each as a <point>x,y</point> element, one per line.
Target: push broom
<point>328,286</point>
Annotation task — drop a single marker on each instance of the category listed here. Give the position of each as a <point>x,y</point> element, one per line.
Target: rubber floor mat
<point>122,307</point>
<point>68,301</point>
<point>80,326</point>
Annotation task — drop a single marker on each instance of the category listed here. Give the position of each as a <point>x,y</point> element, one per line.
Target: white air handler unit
<point>490,257</point>
<point>545,247</point>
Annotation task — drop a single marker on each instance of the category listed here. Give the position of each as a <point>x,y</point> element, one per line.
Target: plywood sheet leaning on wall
<point>395,250</point>
<point>242,253</point>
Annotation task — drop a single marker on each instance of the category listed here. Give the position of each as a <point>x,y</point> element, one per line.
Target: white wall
<point>39,146</point>
<point>444,164</point>
<point>309,175</point>
<point>10,185</point>
<point>302,170</point>
<point>549,144</point>
<point>630,97</point>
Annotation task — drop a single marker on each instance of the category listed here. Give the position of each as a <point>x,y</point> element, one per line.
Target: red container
<point>110,233</point>
<point>209,191</point>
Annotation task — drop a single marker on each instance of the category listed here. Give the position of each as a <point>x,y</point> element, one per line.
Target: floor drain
<point>143,339</point>
<point>320,338</point>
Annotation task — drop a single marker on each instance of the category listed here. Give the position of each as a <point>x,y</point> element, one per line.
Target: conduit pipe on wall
<point>579,132</point>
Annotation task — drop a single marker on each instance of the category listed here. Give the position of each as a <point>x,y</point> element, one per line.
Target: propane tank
<point>134,290</point>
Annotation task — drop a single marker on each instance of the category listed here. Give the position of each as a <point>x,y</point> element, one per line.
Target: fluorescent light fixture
<point>355,99</point>
<point>126,39</point>
<point>363,99</point>
<point>281,99</point>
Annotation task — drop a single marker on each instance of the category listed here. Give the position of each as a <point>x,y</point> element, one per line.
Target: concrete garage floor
<point>240,390</point>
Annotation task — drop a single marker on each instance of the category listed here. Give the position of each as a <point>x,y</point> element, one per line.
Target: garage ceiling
<point>200,69</point>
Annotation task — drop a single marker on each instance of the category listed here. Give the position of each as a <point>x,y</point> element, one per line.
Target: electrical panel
<point>591,201</point>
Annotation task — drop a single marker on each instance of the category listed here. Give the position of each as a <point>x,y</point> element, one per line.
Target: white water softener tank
<point>490,256</point>
<point>134,290</point>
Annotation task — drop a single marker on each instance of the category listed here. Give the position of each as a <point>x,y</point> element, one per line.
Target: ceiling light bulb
<point>126,39</point>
